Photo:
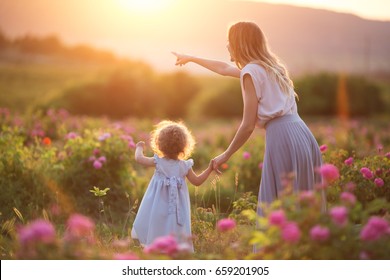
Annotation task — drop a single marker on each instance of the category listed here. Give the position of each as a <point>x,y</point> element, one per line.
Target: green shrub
<point>319,95</point>
<point>22,180</point>
<point>223,102</point>
<point>296,228</point>
<point>365,188</point>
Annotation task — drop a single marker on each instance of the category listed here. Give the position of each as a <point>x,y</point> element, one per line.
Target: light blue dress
<point>165,207</point>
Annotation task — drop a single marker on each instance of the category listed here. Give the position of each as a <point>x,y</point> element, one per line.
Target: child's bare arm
<point>139,155</point>
<point>197,180</point>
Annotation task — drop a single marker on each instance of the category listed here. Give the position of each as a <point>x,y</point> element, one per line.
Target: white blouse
<point>272,102</point>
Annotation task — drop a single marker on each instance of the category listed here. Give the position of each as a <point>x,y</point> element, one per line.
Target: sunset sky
<point>147,29</point>
<point>371,9</point>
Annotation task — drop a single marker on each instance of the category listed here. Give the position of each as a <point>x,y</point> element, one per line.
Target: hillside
<point>308,40</point>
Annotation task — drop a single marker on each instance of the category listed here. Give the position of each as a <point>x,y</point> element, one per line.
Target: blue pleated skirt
<point>291,158</point>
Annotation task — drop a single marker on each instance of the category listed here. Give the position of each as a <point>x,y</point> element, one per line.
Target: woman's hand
<point>218,161</point>
<point>181,59</point>
<point>211,165</point>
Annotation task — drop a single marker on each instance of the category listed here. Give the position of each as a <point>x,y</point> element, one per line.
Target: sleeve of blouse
<point>255,71</point>
<point>156,159</point>
<point>245,70</point>
<point>189,164</point>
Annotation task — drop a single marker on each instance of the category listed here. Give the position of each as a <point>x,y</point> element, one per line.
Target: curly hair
<point>172,140</point>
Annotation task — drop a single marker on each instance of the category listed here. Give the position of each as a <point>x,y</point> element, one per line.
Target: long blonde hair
<point>248,44</point>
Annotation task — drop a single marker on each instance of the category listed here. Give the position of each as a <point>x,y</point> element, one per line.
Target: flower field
<point>70,189</point>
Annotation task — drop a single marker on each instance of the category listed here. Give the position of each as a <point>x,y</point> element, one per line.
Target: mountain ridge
<point>306,39</point>
<point>309,39</point>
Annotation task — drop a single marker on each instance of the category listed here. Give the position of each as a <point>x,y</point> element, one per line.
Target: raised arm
<point>218,67</point>
<point>197,180</point>
<point>139,155</point>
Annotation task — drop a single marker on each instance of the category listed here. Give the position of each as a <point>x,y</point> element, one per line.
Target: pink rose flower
<point>71,135</point>
<point>246,155</point>
<point>126,137</point>
<point>79,226</point>
<point>339,215</point>
<point>38,231</point>
<point>125,256</point>
<point>226,224</point>
<point>102,159</point>
<point>131,144</point>
<point>366,172</point>
<point>97,164</point>
<point>129,139</point>
<point>163,245</point>
<point>104,136</point>
<point>379,182</point>
<point>319,233</point>
<point>375,228</point>
<point>277,218</point>
<point>307,196</point>
<point>348,198</point>
<point>349,161</point>
<point>323,148</point>
<point>329,172</point>
<point>291,232</point>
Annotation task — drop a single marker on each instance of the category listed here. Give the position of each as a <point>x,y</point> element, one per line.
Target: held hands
<point>217,161</point>
<point>181,59</point>
<point>210,168</point>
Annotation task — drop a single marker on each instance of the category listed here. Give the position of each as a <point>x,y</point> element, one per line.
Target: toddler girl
<point>165,207</point>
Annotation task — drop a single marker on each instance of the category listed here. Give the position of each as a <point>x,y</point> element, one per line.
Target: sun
<point>145,6</point>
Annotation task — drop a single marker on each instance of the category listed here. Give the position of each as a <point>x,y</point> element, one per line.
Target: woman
<point>269,102</point>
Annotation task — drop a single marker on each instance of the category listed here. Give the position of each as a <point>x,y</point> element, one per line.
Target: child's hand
<point>211,166</point>
<point>140,144</point>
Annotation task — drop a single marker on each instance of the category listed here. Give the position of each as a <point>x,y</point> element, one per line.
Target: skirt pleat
<point>291,158</point>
